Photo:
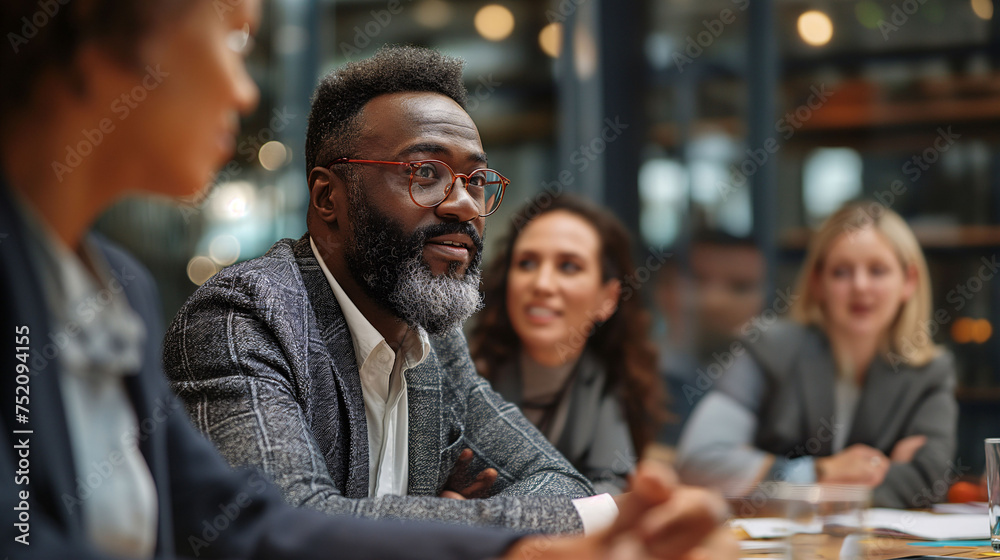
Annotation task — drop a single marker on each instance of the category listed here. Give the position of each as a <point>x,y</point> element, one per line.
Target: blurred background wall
<point>755,118</point>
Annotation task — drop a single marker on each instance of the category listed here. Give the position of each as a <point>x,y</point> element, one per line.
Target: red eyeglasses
<point>431,181</point>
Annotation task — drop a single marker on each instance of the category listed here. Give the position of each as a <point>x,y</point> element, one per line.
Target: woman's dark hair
<point>43,35</point>
<point>621,343</point>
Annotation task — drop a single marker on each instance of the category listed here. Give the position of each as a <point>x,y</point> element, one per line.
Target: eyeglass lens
<point>430,182</point>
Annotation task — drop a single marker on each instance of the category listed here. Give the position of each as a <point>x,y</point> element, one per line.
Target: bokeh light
<point>550,39</point>
<point>200,269</point>
<point>869,13</point>
<point>815,28</point>
<point>273,155</point>
<point>983,8</point>
<point>224,250</point>
<point>494,22</point>
<point>433,14</point>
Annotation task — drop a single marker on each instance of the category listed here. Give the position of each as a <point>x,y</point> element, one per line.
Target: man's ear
<point>325,188</point>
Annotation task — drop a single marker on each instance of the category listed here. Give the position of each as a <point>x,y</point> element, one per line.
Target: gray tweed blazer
<point>262,357</point>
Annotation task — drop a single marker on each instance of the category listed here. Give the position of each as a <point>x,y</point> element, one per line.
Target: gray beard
<point>389,265</point>
<point>436,303</point>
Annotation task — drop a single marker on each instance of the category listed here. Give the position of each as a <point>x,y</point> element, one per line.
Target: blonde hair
<point>907,341</point>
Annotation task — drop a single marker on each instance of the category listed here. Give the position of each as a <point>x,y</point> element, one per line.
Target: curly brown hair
<point>622,343</point>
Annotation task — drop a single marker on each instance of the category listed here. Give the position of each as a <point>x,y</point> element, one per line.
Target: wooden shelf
<point>978,394</point>
<point>930,237</point>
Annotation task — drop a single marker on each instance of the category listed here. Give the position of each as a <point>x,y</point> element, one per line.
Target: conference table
<point>872,545</point>
<point>887,548</point>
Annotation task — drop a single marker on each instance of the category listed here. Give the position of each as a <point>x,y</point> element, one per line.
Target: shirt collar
<point>366,337</point>
<point>98,332</point>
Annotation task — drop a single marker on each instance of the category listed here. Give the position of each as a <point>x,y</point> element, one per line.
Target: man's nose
<point>459,205</point>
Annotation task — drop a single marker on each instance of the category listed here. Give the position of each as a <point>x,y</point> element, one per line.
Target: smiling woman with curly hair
<point>564,336</point>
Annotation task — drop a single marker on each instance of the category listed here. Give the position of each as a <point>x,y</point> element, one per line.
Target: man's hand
<point>858,464</point>
<point>906,448</point>
<point>479,488</point>
<point>657,520</point>
<point>669,519</point>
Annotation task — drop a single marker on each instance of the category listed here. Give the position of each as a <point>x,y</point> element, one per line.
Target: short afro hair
<point>338,100</point>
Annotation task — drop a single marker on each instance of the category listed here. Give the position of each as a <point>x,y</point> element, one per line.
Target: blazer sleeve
<point>531,472</point>
<point>222,513</point>
<point>926,479</point>
<point>235,366</point>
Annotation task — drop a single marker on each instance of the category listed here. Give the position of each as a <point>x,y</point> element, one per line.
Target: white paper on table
<point>978,508</point>
<point>774,527</point>
<point>928,526</point>
<point>763,547</point>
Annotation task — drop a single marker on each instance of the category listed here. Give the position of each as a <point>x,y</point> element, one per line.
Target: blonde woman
<point>852,390</point>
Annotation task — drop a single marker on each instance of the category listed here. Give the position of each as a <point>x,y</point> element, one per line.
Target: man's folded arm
<point>240,394</point>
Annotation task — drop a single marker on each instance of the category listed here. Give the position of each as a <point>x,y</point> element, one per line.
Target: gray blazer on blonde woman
<point>263,359</point>
<point>778,399</point>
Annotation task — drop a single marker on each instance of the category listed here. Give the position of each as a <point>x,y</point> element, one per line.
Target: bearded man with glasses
<point>336,362</point>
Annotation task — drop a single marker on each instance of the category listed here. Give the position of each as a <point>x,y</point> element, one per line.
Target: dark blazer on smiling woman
<point>263,358</point>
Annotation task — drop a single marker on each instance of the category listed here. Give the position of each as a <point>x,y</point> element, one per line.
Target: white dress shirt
<point>383,386</point>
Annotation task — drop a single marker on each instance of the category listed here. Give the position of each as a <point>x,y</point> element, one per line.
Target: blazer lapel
<point>879,403</point>
<point>337,338</point>
<point>426,429</point>
<point>52,464</point>
<point>816,389</point>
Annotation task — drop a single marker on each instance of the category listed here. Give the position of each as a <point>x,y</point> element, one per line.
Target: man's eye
<point>425,171</point>
<point>477,180</point>
<point>239,40</point>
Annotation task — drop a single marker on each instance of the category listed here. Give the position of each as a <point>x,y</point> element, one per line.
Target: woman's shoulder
<point>940,368</point>
<point>776,346</point>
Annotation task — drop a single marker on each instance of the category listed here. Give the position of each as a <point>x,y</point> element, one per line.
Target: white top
<point>98,340</point>
<point>383,386</point>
